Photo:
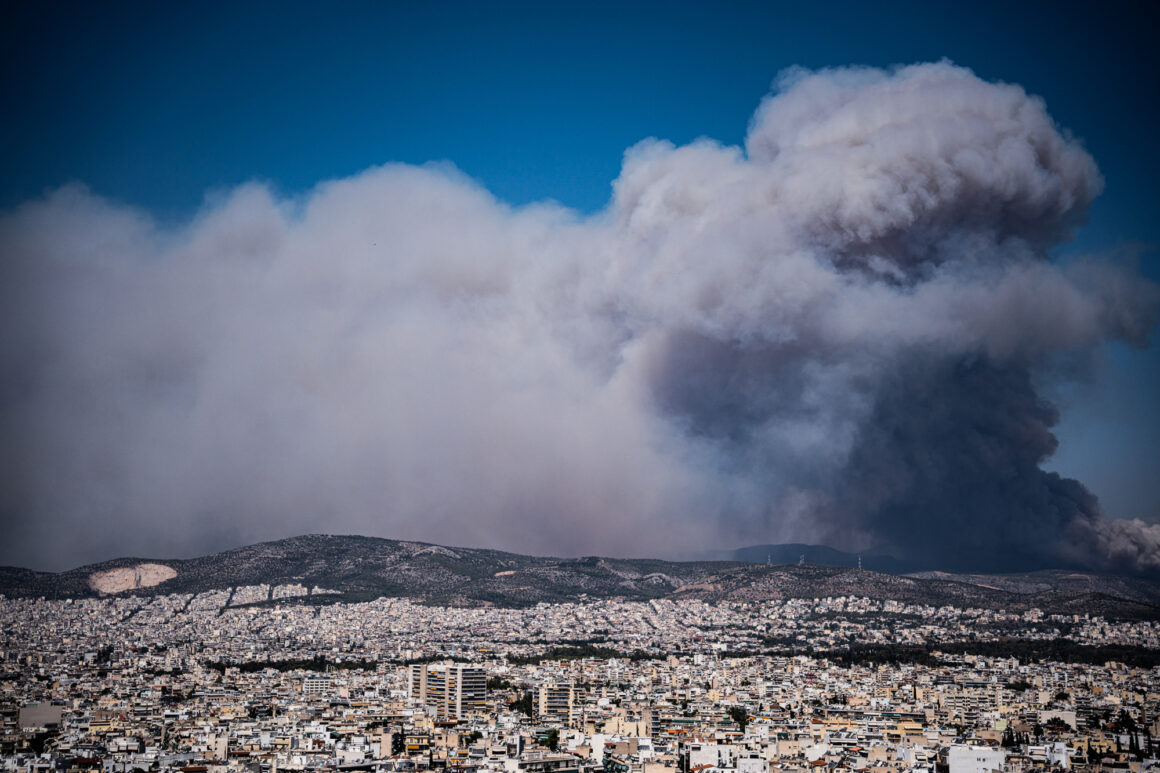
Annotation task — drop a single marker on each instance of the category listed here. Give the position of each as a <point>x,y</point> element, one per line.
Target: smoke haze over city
<point>833,334</point>
<point>849,329</point>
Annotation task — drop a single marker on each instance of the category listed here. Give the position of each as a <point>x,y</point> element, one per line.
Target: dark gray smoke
<point>840,333</point>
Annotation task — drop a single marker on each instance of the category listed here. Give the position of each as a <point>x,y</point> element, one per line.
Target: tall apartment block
<point>452,690</point>
<point>555,702</point>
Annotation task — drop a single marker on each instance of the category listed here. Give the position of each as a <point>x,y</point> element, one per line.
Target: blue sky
<point>161,105</point>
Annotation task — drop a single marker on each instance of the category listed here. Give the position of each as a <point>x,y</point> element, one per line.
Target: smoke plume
<point>839,333</point>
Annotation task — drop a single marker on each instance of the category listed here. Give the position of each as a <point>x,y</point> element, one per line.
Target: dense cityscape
<point>579,387</point>
<point>264,678</point>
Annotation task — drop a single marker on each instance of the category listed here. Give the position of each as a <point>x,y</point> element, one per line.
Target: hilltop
<point>352,568</point>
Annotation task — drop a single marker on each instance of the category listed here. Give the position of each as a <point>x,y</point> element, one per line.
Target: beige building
<point>451,690</point>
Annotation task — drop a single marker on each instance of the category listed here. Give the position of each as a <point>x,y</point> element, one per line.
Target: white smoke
<point>727,353</point>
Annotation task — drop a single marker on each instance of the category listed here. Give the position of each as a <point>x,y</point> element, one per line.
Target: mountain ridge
<point>355,568</point>
<point>794,552</point>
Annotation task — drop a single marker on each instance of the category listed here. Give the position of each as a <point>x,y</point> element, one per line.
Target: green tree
<point>1125,723</point>
<point>526,703</point>
<point>739,715</point>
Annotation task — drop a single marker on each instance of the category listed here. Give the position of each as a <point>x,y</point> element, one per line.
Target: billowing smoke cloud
<point>839,333</point>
